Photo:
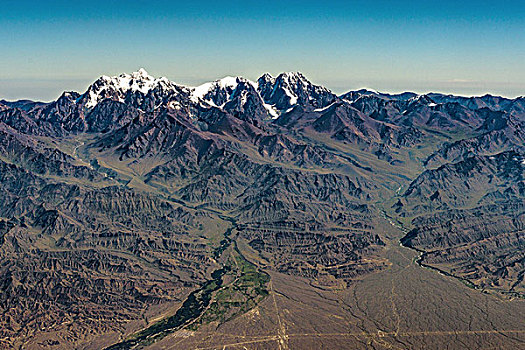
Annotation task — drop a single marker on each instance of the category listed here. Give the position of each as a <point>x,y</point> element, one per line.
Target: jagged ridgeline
<point>141,209</point>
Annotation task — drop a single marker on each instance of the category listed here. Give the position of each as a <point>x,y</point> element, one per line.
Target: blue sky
<point>469,47</point>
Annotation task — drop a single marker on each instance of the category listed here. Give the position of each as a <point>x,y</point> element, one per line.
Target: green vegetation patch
<point>247,289</point>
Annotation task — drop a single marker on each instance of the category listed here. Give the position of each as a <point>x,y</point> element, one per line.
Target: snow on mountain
<point>220,92</point>
<point>292,88</point>
<point>274,94</point>
<point>118,87</point>
<point>144,91</point>
<point>421,100</point>
<point>217,92</point>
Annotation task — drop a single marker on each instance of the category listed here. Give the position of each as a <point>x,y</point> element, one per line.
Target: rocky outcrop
<point>481,245</point>
<point>470,220</point>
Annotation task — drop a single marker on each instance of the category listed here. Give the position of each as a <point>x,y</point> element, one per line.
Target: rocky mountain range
<point>131,208</point>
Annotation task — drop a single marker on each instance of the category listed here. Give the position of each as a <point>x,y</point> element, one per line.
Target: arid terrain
<point>143,214</point>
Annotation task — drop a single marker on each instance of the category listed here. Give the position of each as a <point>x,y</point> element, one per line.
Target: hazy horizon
<point>47,90</point>
<point>468,48</point>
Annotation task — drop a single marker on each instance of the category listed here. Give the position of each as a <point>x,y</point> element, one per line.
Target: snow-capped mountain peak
<point>294,78</point>
<point>141,73</point>
<point>275,94</point>
<point>218,92</point>
<point>421,100</point>
<point>291,88</point>
<point>232,93</point>
<point>117,87</point>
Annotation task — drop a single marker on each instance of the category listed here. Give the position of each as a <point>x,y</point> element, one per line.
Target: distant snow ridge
<point>279,94</point>
<point>119,86</point>
<point>218,92</point>
<point>292,88</point>
<point>276,94</point>
<point>422,100</point>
